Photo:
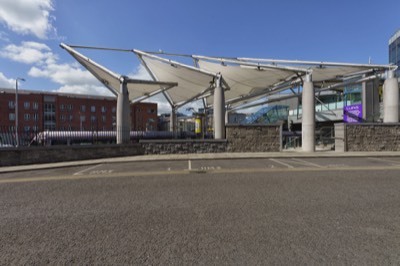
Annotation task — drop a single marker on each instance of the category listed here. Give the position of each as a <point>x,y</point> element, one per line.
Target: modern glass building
<point>394,51</point>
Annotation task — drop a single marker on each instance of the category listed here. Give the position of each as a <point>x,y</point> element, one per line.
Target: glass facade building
<point>394,51</point>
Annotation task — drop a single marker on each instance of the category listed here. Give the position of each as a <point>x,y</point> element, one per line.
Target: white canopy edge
<point>78,55</point>
<point>242,63</point>
<point>315,63</point>
<point>172,62</point>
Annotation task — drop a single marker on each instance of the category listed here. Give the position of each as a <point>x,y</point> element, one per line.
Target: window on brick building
<point>83,108</point>
<point>27,105</point>
<point>104,118</point>
<point>35,116</point>
<point>62,107</point>
<point>113,109</point>
<point>11,116</point>
<point>93,118</point>
<point>103,109</point>
<point>69,107</point>
<point>27,128</point>
<point>71,117</point>
<point>11,104</point>
<point>62,118</point>
<point>93,108</point>
<point>35,105</point>
<point>27,117</point>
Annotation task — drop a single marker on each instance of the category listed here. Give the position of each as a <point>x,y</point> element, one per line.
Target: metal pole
<point>219,110</point>
<point>308,116</point>
<point>16,111</point>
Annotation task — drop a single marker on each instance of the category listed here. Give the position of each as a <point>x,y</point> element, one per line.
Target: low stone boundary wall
<point>33,155</point>
<point>254,138</point>
<point>368,137</point>
<point>183,146</point>
<point>240,138</point>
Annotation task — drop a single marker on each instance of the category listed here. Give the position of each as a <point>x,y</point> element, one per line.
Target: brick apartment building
<point>39,111</point>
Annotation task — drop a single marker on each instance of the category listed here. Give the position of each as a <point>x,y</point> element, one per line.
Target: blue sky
<point>31,31</point>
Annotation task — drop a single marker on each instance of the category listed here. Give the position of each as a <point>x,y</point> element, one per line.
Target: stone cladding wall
<point>36,155</point>
<point>183,146</point>
<point>367,137</point>
<point>372,137</point>
<point>254,138</point>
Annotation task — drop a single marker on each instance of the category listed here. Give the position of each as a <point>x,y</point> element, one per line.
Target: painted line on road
<point>384,160</point>
<point>87,169</point>
<point>307,163</point>
<point>185,172</point>
<point>282,163</point>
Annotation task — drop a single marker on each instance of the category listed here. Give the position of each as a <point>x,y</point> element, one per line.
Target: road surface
<point>221,212</point>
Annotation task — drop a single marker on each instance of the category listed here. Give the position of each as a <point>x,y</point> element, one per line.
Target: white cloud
<point>6,82</point>
<point>140,73</point>
<point>71,76</point>
<point>85,89</point>
<point>4,37</point>
<point>64,74</point>
<point>28,17</point>
<point>29,53</point>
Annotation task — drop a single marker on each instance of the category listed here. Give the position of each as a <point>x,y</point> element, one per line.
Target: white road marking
<point>384,160</point>
<point>307,163</point>
<point>282,163</point>
<point>189,165</point>
<point>87,169</point>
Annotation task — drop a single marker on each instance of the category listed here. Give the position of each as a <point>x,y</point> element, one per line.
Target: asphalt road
<point>252,212</point>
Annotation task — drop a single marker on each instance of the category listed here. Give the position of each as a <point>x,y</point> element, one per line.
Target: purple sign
<point>352,113</point>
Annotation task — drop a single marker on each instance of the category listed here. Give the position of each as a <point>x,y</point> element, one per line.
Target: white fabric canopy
<point>191,83</point>
<point>138,89</point>
<point>244,81</point>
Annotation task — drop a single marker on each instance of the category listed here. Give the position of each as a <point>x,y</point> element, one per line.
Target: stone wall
<point>371,137</point>
<point>254,138</point>
<point>34,155</point>
<point>183,146</point>
<point>240,138</point>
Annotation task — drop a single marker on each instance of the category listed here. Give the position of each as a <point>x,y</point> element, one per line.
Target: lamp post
<point>16,111</point>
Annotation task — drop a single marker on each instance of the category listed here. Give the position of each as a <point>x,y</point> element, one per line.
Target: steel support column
<point>219,110</point>
<point>308,116</point>
<point>123,114</point>
<point>172,120</point>
<point>391,99</point>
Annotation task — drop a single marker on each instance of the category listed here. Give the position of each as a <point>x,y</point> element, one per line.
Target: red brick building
<point>39,111</point>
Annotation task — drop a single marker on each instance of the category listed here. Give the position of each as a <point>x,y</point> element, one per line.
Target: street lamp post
<point>16,111</point>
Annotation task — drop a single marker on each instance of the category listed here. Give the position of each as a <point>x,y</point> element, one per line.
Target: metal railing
<point>70,137</point>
